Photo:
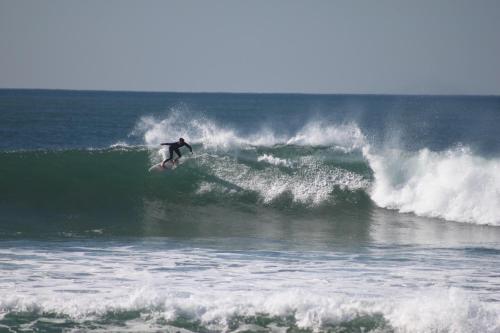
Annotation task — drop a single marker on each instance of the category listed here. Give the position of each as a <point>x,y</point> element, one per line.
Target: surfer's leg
<point>177,151</point>
<point>171,153</point>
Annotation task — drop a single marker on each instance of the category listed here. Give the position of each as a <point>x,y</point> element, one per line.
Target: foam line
<point>214,287</point>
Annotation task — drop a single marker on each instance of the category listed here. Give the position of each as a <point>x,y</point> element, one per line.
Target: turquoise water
<point>296,213</point>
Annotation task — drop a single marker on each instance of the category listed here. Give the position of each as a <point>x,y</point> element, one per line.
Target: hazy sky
<point>372,46</point>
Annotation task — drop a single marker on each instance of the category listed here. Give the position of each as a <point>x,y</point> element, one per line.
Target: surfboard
<point>168,167</point>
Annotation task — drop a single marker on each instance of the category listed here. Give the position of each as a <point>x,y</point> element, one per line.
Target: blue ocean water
<point>296,213</point>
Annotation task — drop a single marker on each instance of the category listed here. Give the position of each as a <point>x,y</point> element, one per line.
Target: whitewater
<point>295,213</point>
<point>454,184</point>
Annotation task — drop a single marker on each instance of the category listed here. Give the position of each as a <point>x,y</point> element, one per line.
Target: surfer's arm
<point>190,149</point>
<point>167,144</point>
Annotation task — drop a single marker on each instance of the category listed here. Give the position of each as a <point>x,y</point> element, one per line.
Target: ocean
<point>295,213</point>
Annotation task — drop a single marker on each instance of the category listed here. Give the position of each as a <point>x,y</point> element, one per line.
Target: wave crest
<point>210,135</point>
<point>454,185</point>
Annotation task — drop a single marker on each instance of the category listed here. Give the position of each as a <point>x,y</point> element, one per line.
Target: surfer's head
<point>181,140</point>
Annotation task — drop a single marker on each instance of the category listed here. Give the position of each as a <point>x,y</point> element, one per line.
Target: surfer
<point>174,146</point>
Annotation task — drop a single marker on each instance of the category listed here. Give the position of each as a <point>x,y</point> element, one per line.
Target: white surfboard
<point>168,166</point>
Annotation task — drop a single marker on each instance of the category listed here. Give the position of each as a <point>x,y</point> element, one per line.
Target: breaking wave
<point>454,184</point>
<point>320,165</point>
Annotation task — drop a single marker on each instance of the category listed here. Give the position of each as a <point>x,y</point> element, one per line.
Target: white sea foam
<point>454,185</point>
<point>120,144</point>
<point>208,187</point>
<point>268,158</point>
<point>311,182</point>
<point>317,133</point>
<point>212,287</point>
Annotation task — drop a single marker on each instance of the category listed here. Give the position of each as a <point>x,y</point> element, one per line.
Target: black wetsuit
<point>174,146</point>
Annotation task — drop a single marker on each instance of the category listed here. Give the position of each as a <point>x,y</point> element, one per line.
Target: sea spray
<point>202,130</point>
<point>346,136</point>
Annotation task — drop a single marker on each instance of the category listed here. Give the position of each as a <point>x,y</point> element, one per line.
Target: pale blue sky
<point>399,47</point>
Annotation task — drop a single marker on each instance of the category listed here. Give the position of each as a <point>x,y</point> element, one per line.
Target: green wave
<point>82,191</point>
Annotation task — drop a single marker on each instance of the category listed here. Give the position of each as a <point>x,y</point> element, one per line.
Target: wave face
<point>320,166</point>
<point>81,190</point>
